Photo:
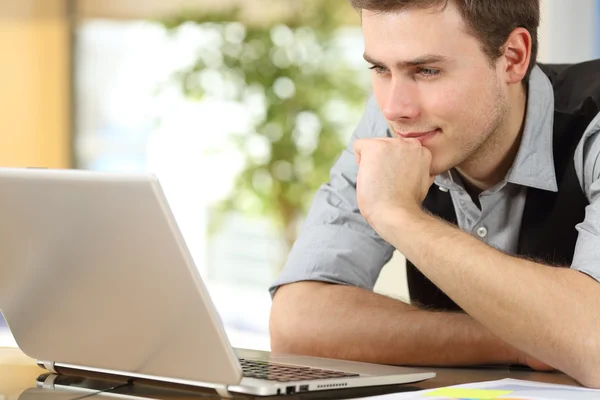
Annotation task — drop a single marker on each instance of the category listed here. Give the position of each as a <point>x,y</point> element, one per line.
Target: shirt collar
<point>534,162</point>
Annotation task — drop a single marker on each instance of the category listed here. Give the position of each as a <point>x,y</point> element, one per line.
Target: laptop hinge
<point>49,382</point>
<point>48,365</point>
<point>222,391</point>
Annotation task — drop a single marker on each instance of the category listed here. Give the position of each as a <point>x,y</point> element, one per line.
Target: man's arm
<point>551,313</point>
<point>345,322</point>
<point>338,319</point>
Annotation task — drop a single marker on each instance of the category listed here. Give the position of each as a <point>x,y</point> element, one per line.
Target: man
<point>480,170</point>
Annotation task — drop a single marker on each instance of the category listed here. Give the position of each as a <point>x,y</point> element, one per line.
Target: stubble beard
<point>483,145</point>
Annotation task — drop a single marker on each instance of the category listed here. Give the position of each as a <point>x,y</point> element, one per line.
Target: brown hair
<point>490,21</point>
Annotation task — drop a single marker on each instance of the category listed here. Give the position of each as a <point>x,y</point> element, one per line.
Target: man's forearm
<point>550,313</point>
<point>345,322</point>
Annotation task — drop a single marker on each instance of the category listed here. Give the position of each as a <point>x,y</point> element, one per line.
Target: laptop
<point>95,276</point>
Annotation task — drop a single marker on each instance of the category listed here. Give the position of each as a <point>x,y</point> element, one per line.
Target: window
<point>130,116</point>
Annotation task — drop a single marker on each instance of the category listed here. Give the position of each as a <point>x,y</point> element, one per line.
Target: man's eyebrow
<point>422,60</point>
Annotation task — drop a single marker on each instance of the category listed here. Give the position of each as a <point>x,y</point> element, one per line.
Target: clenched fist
<point>393,173</point>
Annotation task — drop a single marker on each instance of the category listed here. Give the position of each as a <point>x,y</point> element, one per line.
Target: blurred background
<point>240,107</point>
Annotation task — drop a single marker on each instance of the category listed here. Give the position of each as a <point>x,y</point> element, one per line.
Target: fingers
<point>361,145</point>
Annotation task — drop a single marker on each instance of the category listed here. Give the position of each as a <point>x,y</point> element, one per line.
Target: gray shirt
<point>337,245</point>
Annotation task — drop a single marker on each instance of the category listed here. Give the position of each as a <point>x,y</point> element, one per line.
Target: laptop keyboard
<point>287,373</point>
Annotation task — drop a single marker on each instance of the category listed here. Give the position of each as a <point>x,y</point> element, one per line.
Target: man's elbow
<point>282,336</point>
<point>281,342</point>
<point>283,328</point>
<point>289,322</point>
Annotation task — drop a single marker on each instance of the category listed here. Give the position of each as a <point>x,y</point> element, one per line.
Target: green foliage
<point>305,98</point>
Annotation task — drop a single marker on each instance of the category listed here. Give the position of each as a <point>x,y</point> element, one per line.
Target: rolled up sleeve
<point>336,244</point>
<point>587,164</point>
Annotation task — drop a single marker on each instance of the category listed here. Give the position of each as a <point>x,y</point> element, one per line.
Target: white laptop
<point>95,276</point>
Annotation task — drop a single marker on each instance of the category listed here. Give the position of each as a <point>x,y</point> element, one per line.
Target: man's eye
<point>378,69</point>
<point>428,72</point>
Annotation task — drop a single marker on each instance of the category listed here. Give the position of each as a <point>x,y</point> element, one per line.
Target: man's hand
<point>393,173</point>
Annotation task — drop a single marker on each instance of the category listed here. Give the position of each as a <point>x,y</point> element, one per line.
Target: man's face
<point>432,81</point>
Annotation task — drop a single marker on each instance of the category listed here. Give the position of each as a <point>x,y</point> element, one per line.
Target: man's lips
<point>408,135</point>
<point>416,135</point>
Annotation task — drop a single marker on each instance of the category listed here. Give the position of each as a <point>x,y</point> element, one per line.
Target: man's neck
<point>492,162</point>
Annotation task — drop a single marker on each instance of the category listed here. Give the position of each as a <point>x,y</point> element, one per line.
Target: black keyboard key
<point>287,373</point>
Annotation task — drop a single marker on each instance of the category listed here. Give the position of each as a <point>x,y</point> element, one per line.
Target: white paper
<point>519,389</point>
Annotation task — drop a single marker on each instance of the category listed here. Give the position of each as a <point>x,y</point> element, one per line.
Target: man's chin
<point>435,171</point>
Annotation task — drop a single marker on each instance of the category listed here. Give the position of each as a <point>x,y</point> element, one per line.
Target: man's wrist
<point>394,223</point>
<point>408,219</point>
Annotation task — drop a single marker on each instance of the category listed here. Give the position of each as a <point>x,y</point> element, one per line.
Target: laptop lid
<point>95,272</point>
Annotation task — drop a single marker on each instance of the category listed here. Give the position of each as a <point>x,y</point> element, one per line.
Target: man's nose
<point>401,102</point>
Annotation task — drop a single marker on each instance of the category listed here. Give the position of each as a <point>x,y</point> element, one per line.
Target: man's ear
<point>516,55</point>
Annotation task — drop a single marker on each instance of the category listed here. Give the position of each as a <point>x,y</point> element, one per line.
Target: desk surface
<point>18,375</point>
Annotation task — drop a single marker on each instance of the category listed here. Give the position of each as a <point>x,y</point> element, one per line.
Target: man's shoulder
<point>576,86</point>
<point>561,73</point>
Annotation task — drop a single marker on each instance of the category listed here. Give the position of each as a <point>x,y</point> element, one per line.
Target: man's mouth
<point>419,135</point>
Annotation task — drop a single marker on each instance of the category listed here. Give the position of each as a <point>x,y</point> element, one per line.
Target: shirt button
<point>443,189</point>
<point>482,231</point>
